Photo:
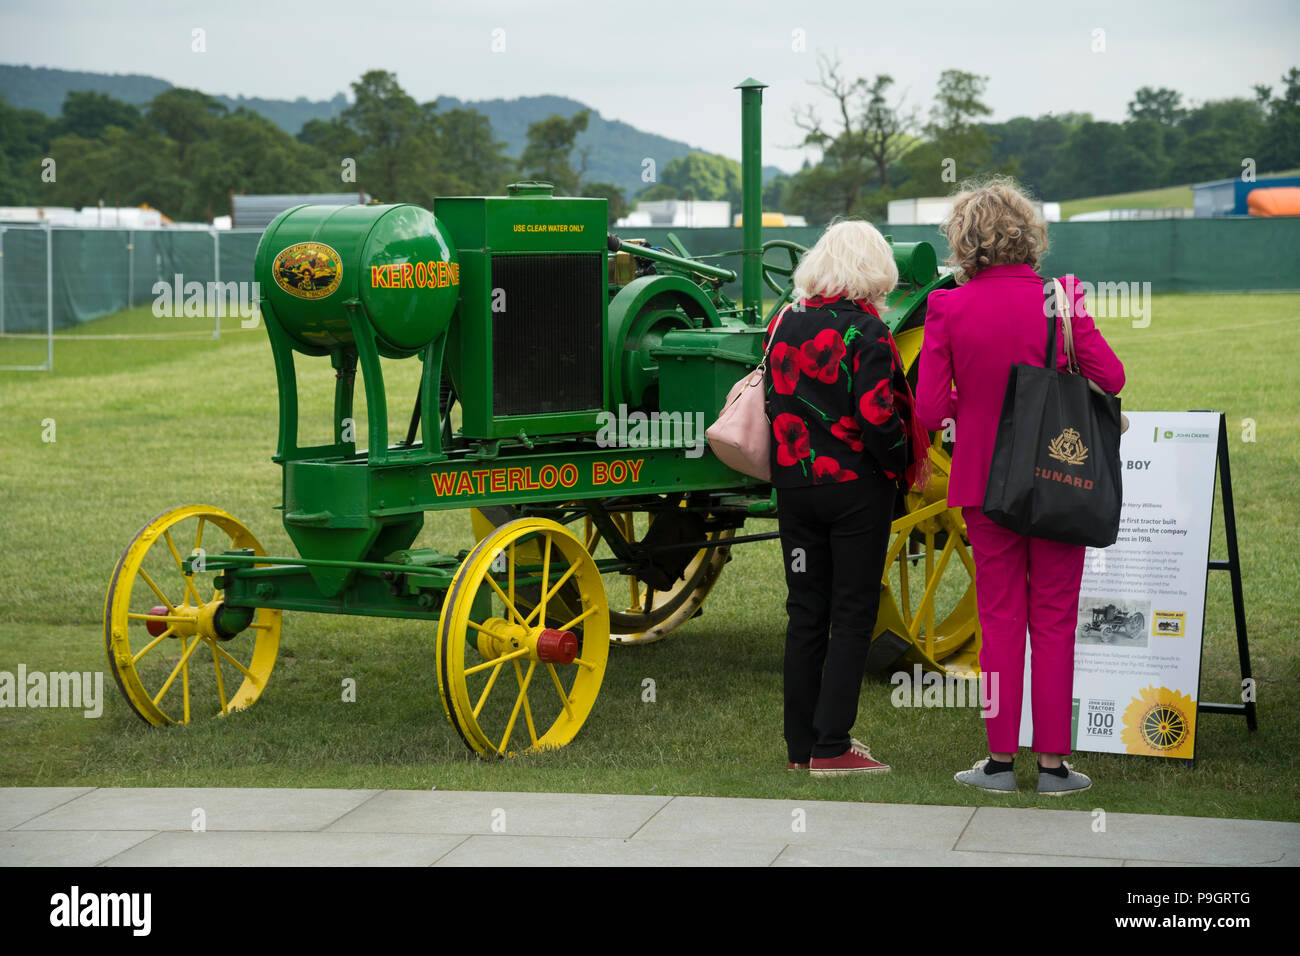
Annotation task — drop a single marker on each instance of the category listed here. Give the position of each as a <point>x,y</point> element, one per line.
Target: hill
<point>614,149</point>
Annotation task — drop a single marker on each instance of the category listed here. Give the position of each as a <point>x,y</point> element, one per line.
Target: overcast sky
<point>667,66</point>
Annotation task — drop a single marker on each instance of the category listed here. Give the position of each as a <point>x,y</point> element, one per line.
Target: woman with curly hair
<point>844,438</point>
<point>995,318</point>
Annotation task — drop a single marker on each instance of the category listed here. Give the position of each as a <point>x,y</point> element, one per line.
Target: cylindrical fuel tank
<point>397,260</point>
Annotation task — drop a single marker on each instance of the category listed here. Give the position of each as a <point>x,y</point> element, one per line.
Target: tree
<point>1027,145</point>
<point>333,138</point>
<point>1157,144</point>
<point>184,116</point>
<point>1215,137</point>
<point>407,151</point>
<point>86,113</point>
<point>823,192</point>
<point>616,204</point>
<point>24,139</point>
<point>1281,146</point>
<point>869,136</point>
<point>925,170</point>
<point>123,169</point>
<point>700,176</point>
<point>472,154</point>
<point>953,129</point>
<point>774,193</point>
<point>1162,105</point>
<point>1207,155</point>
<point>546,157</point>
<point>246,152</point>
<point>1098,159</point>
<point>390,128</point>
<point>885,128</point>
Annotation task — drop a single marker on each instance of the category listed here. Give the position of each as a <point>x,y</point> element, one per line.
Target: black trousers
<point>834,538</point>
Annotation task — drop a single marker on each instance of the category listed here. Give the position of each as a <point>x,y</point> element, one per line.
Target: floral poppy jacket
<point>831,376</point>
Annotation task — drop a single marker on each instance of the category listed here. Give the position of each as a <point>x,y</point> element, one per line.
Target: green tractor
<point>567,377</point>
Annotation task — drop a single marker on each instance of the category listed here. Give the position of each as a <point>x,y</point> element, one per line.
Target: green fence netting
<point>1174,255</point>
<point>99,271</point>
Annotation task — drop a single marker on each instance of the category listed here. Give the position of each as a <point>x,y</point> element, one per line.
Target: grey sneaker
<point>1054,786</point>
<point>1004,782</point>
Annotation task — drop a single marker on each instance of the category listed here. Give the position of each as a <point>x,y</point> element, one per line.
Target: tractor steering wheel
<point>772,270</point>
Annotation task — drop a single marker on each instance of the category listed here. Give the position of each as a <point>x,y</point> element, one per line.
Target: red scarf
<point>918,473</point>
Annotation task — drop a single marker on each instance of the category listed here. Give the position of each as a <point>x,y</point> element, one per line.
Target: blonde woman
<point>844,437</point>
<point>995,318</point>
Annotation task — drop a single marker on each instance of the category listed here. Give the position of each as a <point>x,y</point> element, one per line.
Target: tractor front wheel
<point>158,616</point>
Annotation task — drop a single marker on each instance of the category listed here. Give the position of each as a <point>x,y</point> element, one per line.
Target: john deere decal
<point>308,270</point>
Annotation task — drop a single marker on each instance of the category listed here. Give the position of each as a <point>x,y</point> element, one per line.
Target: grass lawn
<point>1170,197</point>
<point>142,426</point>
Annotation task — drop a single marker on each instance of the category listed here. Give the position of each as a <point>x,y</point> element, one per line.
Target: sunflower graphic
<point>1160,722</point>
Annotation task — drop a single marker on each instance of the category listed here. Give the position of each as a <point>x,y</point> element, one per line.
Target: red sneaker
<point>857,759</point>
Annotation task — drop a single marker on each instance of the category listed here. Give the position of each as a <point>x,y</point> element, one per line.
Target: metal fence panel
<point>99,271</point>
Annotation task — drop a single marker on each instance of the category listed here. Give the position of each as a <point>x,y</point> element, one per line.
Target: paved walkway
<point>85,826</point>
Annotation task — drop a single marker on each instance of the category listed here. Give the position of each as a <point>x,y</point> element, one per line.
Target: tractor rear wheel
<point>529,601</point>
<point>928,613</point>
<point>640,612</point>
<point>649,613</point>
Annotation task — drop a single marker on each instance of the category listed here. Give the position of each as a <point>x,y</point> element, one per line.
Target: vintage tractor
<point>567,376</point>
<point>1110,622</point>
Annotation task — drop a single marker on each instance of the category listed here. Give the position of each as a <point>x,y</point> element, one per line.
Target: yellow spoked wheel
<point>174,648</point>
<point>527,602</point>
<point>929,581</point>
<point>645,613</point>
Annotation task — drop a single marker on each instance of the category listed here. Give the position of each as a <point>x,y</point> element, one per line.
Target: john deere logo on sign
<point>309,270</point>
<point>1066,447</point>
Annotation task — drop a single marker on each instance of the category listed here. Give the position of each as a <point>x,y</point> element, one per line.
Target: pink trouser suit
<point>973,335</point>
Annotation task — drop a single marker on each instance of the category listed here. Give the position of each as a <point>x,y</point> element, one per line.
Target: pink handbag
<point>741,438</point>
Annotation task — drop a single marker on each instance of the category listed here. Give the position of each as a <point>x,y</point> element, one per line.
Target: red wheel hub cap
<point>157,627</point>
<point>557,647</point>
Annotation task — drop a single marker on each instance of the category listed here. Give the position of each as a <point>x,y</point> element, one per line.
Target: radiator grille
<point>547,342</point>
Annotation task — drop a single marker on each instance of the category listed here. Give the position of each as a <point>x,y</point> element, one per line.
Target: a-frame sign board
<point>1140,636</point>
<point>1232,564</point>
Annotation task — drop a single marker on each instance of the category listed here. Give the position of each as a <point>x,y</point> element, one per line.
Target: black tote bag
<point>1056,469</point>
